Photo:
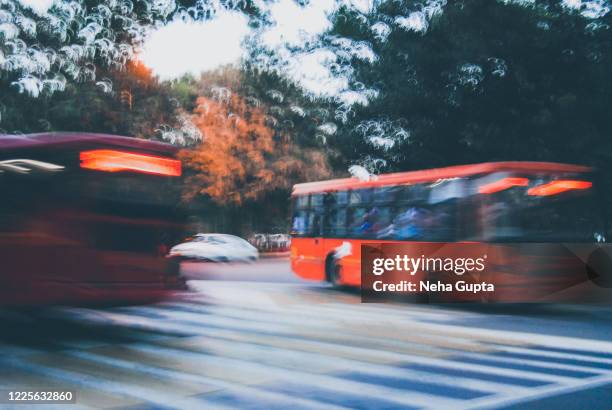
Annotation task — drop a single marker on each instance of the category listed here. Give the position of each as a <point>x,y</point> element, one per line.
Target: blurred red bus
<point>498,202</point>
<point>87,218</point>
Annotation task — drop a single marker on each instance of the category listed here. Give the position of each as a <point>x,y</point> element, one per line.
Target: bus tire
<point>332,270</point>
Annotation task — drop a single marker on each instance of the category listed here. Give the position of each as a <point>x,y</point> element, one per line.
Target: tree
<point>473,81</point>
<point>239,178</point>
<point>290,111</point>
<point>241,159</point>
<point>259,136</point>
<point>132,102</point>
<point>48,46</point>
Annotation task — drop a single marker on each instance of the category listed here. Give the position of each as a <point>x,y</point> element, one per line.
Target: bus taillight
<point>502,184</point>
<point>558,186</point>
<point>114,161</point>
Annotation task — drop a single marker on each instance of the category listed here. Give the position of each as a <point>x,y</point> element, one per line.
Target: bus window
<point>357,222</point>
<point>336,223</point>
<point>374,222</point>
<point>418,193</point>
<point>301,202</point>
<point>385,194</point>
<point>307,224</point>
<point>409,221</point>
<point>449,189</point>
<point>442,222</point>
<point>315,224</point>
<point>300,223</point>
<point>339,198</point>
<point>432,223</point>
<point>316,200</point>
<point>566,217</point>
<point>383,222</point>
<point>360,196</point>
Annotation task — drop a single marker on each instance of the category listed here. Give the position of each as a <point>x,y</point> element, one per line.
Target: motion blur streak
<point>73,236</point>
<point>502,184</point>
<point>26,165</point>
<point>113,161</point>
<point>557,187</point>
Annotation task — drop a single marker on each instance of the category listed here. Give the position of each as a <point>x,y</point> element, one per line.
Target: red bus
<point>497,202</point>
<point>88,219</point>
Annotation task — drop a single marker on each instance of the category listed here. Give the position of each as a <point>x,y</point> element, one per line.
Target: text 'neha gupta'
<point>428,264</point>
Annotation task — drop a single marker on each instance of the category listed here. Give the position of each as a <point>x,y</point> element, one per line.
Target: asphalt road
<point>254,336</point>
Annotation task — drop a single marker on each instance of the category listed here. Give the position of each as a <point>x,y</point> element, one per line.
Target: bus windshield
<point>566,217</point>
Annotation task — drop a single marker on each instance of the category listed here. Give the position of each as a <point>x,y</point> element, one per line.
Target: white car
<point>216,247</point>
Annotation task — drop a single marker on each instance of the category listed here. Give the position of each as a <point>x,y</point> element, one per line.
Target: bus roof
<point>49,139</point>
<point>457,171</point>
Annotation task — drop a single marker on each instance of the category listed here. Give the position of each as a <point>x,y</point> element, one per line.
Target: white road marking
<point>319,345</point>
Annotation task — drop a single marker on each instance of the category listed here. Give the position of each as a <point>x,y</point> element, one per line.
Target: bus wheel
<point>332,271</point>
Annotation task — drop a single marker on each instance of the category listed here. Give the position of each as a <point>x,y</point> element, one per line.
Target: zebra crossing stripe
<point>165,374</point>
<point>354,352</point>
<point>390,356</point>
<point>330,334</point>
<point>248,352</point>
<point>335,326</point>
<point>538,393</point>
<point>319,362</point>
<point>544,353</point>
<point>539,363</point>
<point>345,387</point>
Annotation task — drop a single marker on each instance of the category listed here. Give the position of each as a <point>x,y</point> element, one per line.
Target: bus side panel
<point>308,258</point>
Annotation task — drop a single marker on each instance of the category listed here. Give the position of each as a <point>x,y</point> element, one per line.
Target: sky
<point>192,47</point>
<point>183,47</point>
<point>38,6</point>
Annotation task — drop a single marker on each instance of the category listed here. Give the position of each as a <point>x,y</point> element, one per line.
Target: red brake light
<point>556,187</point>
<point>114,161</point>
<point>502,184</point>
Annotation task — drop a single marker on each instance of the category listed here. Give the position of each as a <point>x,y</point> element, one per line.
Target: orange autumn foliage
<point>241,157</point>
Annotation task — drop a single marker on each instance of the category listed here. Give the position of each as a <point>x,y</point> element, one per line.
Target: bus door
<point>316,247</point>
<point>307,259</point>
<point>335,230</point>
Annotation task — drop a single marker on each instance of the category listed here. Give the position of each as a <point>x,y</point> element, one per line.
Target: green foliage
<point>48,47</point>
<point>138,106</point>
<point>290,112</point>
<point>484,80</point>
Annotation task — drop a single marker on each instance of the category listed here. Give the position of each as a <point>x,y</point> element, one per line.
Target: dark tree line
<point>479,80</point>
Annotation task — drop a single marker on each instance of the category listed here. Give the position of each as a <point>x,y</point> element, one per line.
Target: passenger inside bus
<point>435,212</point>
